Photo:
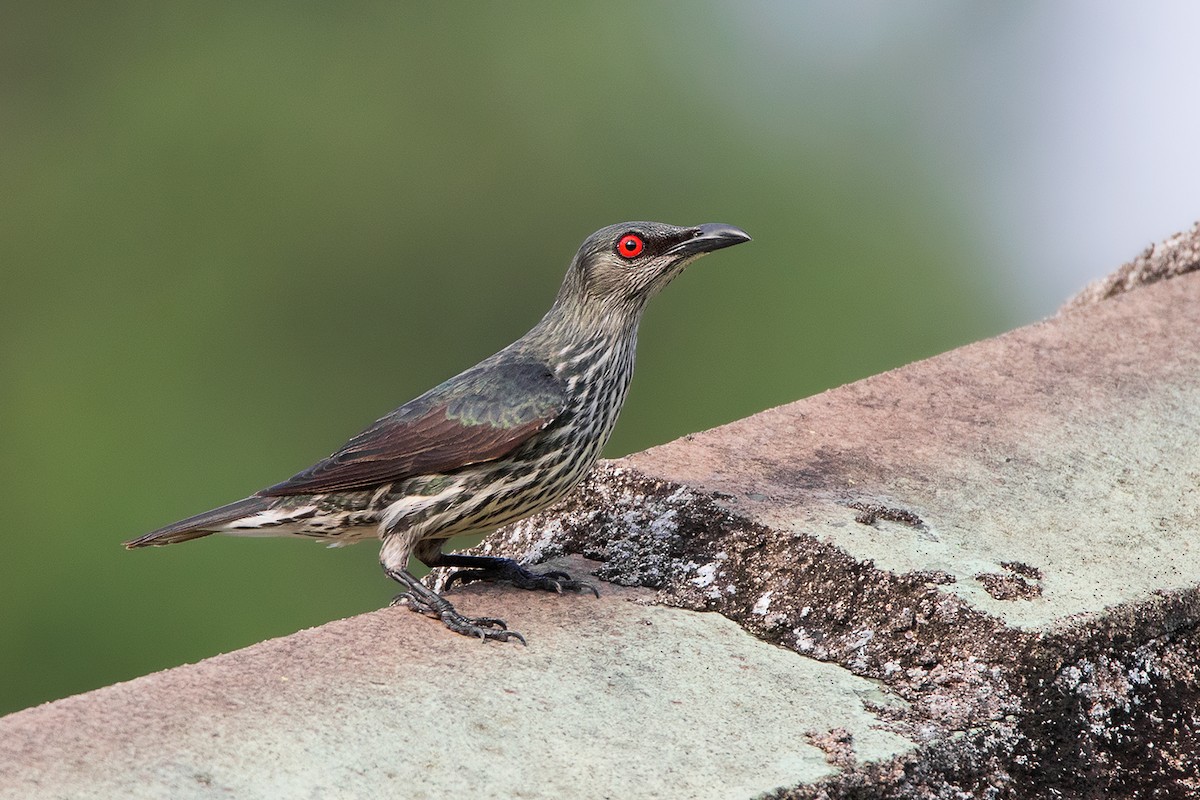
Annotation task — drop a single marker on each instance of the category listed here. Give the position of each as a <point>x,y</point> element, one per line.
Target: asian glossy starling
<point>502,440</point>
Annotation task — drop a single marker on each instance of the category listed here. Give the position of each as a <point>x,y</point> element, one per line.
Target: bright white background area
<point>1075,124</point>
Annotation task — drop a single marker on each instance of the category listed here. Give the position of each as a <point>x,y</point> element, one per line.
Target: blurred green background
<point>234,234</point>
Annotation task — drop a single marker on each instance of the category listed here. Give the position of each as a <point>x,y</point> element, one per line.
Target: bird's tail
<point>202,524</point>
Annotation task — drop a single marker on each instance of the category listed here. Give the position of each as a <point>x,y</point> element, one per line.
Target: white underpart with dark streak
<point>272,522</point>
<point>505,497</point>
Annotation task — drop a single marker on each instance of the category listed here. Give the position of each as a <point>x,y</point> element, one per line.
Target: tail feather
<point>202,524</point>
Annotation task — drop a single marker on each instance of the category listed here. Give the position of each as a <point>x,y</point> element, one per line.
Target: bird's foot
<point>423,600</point>
<point>507,570</point>
<point>483,627</point>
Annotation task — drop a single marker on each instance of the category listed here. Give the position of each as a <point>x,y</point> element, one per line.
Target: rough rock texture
<point>615,698</point>
<point>1176,256</point>
<point>976,576</point>
<point>1006,536</point>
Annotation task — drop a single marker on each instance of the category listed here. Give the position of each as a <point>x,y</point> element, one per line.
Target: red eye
<point>630,246</point>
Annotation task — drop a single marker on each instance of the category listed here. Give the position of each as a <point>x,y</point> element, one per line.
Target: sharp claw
<point>572,586</point>
<point>422,600</point>
<point>555,581</point>
<point>411,601</point>
<point>483,627</point>
<point>463,576</point>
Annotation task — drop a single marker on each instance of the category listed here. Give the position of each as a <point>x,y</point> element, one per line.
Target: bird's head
<point>619,268</point>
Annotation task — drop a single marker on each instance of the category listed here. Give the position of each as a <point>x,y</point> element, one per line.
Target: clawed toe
<point>465,576</point>
<point>411,601</point>
<point>558,585</point>
<point>557,582</point>
<point>510,571</point>
<point>483,627</point>
<point>423,600</point>
<point>579,586</point>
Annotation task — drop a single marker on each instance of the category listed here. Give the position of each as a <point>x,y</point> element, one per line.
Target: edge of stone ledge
<point>1177,255</point>
<point>989,700</point>
<point>697,550</point>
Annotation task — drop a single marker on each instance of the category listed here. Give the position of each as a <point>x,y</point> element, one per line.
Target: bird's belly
<point>482,498</point>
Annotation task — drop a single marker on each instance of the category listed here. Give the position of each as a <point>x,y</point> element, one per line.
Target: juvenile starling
<point>498,442</point>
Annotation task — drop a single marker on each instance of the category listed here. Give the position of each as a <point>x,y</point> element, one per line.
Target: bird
<point>503,439</point>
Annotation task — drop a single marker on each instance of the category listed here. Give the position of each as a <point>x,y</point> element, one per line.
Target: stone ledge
<point>617,696</point>
<point>1004,535</point>
<point>1176,256</point>
<point>977,574</point>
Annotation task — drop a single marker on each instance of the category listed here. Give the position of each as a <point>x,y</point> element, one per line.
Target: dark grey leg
<point>490,568</point>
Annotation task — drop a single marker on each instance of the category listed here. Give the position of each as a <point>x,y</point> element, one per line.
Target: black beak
<point>708,237</point>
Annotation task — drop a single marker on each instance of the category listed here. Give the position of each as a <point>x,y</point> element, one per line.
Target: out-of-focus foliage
<point>231,235</point>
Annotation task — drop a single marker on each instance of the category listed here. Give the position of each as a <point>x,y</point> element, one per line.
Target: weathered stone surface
<point>1176,256</point>
<point>1007,535</point>
<point>614,698</point>
<point>978,575</point>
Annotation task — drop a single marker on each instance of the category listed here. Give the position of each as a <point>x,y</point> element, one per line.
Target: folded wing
<point>481,415</point>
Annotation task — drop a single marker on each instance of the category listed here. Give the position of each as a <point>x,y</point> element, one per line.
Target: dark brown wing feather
<point>481,415</point>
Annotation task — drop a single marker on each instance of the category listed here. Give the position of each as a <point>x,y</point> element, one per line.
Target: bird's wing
<point>481,415</point>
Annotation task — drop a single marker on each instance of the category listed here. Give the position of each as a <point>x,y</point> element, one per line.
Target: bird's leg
<point>489,568</point>
<point>423,600</point>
